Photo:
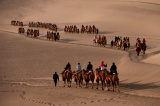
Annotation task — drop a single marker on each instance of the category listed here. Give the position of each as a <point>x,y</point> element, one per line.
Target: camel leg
<point>64,83</point>
<point>113,86</point>
<point>86,85</point>
<point>97,83</point>
<point>92,84</point>
<point>118,85</point>
<point>76,84</point>
<point>69,83</point>
<point>108,84</point>
<point>80,83</point>
<point>102,85</point>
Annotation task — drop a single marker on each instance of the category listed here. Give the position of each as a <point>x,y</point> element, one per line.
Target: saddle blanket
<point>100,72</point>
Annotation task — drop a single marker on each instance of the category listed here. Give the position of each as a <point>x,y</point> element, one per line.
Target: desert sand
<point>27,64</point>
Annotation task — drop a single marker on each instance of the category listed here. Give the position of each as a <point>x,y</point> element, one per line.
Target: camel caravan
<point>53,36</point>
<point>33,33</point>
<point>16,23</point>
<point>87,29</point>
<point>49,26</point>
<point>119,43</point>
<point>71,29</point>
<point>21,30</point>
<point>98,40</point>
<point>100,74</point>
<point>140,46</point>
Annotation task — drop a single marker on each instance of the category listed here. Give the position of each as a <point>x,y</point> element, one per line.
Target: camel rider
<point>78,67</point>
<point>102,66</point>
<point>103,37</point>
<point>113,68</point>
<point>144,41</point>
<point>68,67</point>
<point>89,67</point>
<point>94,26</point>
<point>99,38</point>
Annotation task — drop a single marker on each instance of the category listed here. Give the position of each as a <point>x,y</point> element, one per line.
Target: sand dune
<point>27,64</point>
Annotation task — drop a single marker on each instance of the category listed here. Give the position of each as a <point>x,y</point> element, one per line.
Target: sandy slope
<point>27,64</point>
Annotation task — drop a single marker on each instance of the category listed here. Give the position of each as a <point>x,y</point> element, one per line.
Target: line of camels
<point>102,76</point>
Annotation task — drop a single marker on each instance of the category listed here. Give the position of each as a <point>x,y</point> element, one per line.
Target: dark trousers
<point>55,82</point>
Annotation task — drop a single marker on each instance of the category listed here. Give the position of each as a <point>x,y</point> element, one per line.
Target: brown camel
<point>115,81</point>
<point>88,77</point>
<point>101,76</point>
<point>67,75</point>
<point>78,78</point>
<point>143,47</point>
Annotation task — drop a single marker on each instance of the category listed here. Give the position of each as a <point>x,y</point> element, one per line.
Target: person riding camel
<point>68,67</point>
<point>113,69</point>
<point>99,38</point>
<point>137,41</point>
<point>103,37</point>
<point>89,67</point>
<point>78,68</point>
<point>144,41</point>
<point>102,66</point>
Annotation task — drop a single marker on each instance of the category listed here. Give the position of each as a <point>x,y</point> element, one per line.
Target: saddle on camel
<point>101,74</point>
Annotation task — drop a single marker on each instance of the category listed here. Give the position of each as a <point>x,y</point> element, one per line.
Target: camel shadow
<point>135,86</point>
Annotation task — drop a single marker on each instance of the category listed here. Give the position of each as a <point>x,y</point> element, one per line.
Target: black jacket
<point>113,69</point>
<point>68,66</point>
<point>89,67</point>
<point>55,77</point>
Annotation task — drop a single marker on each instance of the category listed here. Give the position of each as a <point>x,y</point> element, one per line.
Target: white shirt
<point>102,67</point>
<point>78,67</point>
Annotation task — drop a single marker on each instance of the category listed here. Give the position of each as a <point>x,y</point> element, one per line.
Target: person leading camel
<point>55,78</point>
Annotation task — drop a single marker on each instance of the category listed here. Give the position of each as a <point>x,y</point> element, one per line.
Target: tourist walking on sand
<point>55,78</point>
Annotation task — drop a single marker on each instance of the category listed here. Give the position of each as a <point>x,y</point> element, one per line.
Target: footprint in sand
<point>104,99</point>
<point>92,101</point>
<point>98,100</point>
<point>50,103</point>
<point>111,99</point>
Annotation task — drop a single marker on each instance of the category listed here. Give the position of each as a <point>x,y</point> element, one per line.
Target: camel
<point>138,48</point>
<point>119,44</point>
<point>101,76</point>
<point>115,81</point>
<point>67,75</point>
<point>78,78</point>
<point>143,47</point>
<point>88,77</point>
